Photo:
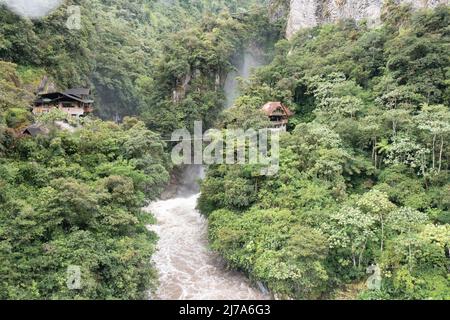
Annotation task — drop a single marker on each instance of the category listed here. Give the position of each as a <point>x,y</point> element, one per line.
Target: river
<point>187,268</point>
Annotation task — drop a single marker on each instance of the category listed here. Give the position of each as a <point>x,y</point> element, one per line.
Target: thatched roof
<point>270,107</point>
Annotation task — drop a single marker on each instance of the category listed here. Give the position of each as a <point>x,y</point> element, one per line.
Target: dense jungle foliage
<point>164,60</point>
<point>364,168</point>
<point>75,199</point>
<point>364,174</point>
<point>74,196</point>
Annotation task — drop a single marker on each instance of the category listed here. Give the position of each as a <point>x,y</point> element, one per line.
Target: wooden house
<point>75,102</point>
<point>278,114</point>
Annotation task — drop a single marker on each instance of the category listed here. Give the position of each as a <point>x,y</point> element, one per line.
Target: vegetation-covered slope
<point>75,198</point>
<point>135,54</point>
<point>364,176</point>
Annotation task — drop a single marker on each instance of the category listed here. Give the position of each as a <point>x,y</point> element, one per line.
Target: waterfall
<point>244,63</point>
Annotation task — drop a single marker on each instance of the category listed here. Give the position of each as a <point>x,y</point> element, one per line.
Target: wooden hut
<point>278,114</point>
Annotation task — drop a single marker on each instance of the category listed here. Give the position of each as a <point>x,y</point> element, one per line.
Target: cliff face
<point>309,13</point>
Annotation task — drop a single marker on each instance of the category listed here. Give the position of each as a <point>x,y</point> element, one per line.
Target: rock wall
<point>310,13</point>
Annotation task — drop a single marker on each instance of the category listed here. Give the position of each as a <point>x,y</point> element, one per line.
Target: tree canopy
<point>364,166</point>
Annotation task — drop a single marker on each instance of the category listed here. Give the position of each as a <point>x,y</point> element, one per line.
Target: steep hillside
<point>364,175</point>
<point>72,199</point>
<point>125,46</point>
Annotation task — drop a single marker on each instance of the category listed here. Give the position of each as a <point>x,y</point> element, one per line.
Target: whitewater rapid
<point>187,269</point>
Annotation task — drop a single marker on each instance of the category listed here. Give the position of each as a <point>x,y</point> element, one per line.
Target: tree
<point>351,229</point>
<point>404,150</point>
<point>377,204</point>
<point>435,119</point>
<point>407,221</point>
